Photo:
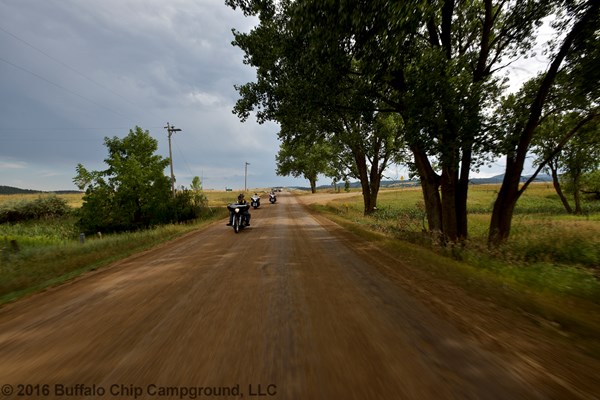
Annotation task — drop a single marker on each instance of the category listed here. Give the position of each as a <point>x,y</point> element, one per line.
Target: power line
<point>61,87</point>
<point>45,129</point>
<point>184,159</point>
<point>66,65</point>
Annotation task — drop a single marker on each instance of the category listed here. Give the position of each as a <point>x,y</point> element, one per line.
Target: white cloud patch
<point>203,99</point>
<point>12,165</point>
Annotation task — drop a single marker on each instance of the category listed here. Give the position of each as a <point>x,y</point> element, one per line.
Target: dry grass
<point>74,200</point>
<point>547,248</point>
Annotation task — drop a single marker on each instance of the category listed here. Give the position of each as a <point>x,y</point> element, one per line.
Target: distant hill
<point>15,190</point>
<point>409,183</point>
<point>499,178</point>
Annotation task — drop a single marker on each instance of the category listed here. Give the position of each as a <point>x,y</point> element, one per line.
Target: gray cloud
<point>73,72</point>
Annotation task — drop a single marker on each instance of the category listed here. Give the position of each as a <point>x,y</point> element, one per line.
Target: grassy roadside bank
<point>35,255</point>
<point>33,269</point>
<point>549,272</point>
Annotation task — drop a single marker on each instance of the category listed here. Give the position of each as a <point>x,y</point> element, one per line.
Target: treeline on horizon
<point>15,190</point>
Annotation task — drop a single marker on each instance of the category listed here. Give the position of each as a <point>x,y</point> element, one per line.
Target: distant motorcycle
<point>272,198</point>
<point>255,201</point>
<point>240,219</point>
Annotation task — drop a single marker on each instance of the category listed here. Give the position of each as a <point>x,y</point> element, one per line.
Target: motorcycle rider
<point>255,199</point>
<point>246,214</point>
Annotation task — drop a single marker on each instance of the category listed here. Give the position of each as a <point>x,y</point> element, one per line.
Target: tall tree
<point>443,86</point>
<point>581,26</point>
<point>133,192</point>
<point>580,157</point>
<point>368,147</point>
<point>569,160</point>
<point>295,89</point>
<point>304,159</point>
<point>546,149</point>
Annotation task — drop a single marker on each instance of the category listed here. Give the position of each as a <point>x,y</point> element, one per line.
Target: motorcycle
<point>240,219</point>
<point>272,198</point>
<point>255,201</point>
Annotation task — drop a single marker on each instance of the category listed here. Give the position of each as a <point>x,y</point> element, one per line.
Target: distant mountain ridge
<point>499,178</point>
<point>15,190</point>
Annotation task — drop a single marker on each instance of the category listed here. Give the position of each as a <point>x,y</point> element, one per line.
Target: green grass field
<point>541,232</point>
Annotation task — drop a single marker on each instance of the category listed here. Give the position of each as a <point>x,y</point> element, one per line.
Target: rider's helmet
<point>241,197</point>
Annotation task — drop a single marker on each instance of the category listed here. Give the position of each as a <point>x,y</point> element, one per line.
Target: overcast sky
<point>75,71</point>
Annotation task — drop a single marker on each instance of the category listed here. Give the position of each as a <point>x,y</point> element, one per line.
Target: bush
<point>134,193</point>
<point>40,208</point>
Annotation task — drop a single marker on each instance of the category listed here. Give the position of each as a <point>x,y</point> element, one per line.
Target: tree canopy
<point>133,192</point>
<point>435,65</point>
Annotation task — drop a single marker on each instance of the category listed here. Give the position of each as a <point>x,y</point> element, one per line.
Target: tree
<point>581,157</point>
<point>435,64</point>
<point>308,160</point>
<point>368,145</point>
<point>590,184</point>
<point>296,89</point>
<point>581,27</point>
<point>305,152</point>
<point>443,82</point>
<point>545,147</point>
<point>199,199</point>
<point>431,63</point>
<point>572,159</point>
<point>133,192</point>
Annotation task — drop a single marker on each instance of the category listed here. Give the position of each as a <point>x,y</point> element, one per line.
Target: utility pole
<point>170,130</point>
<point>246,176</point>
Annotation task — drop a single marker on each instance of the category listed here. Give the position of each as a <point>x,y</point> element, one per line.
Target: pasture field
<point>73,199</point>
<point>539,218</point>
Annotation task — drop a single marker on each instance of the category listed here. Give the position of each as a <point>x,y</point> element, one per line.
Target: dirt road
<point>291,308</point>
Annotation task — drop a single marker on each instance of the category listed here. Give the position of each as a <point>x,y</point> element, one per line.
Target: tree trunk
<point>505,203</point>
<point>431,195</point>
<point>559,192</point>
<point>363,176</point>
<point>462,193</point>
<point>374,184</point>
<point>454,190</point>
<point>313,185</point>
<point>577,193</point>
<point>448,186</point>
